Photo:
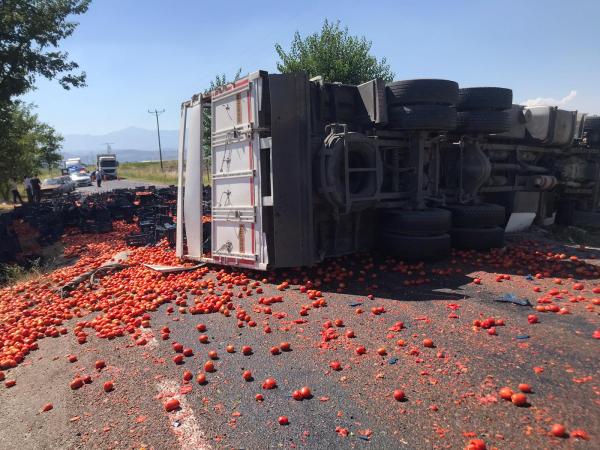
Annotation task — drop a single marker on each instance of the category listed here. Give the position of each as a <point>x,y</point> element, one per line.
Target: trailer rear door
<point>237,229</point>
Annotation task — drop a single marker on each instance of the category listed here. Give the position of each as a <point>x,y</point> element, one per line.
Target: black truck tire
<point>415,248</point>
<point>484,98</point>
<point>483,121</point>
<point>422,117</point>
<point>477,238</point>
<point>484,215</point>
<point>427,222</point>
<point>422,91</point>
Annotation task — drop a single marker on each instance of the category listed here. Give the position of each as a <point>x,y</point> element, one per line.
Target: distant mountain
<point>130,144</point>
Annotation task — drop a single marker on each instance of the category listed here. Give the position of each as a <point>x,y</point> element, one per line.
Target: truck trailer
<point>303,169</point>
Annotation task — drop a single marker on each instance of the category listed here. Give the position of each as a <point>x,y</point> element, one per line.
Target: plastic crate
<point>138,240</point>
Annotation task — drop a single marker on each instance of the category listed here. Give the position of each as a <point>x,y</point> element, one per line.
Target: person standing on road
<point>15,192</point>
<point>27,182</point>
<point>99,176</point>
<point>36,187</point>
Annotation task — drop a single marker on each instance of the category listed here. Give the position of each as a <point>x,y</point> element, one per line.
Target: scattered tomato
<point>269,383</point>
<point>47,407</point>
<point>506,393</point>
<point>518,399</point>
<point>558,430</point>
<point>399,395</point>
<point>283,420</point>
<point>171,405</point>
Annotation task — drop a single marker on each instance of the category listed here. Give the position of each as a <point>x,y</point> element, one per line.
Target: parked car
<point>81,178</point>
<point>57,186</point>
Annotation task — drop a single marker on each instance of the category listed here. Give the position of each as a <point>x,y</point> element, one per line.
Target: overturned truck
<point>302,169</point>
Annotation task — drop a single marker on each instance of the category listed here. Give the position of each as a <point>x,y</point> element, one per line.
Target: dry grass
<point>150,171</point>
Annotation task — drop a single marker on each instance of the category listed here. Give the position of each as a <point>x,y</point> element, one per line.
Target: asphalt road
<point>451,389</point>
<point>109,185</point>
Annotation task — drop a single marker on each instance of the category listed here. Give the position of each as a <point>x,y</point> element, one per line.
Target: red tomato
<point>259,397</point>
<point>558,430</point>
<point>72,358</point>
<point>339,323</point>
<point>247,350</point>
<point>275,351</point>
<point>203,338</point>
<point>201,327</point>
<point>361,350</point>
<point>230,349</point>
<point>171,405</point>
<point>506,393</point>
<point>75,383</point>
<point>213,354</point>
<point>297,395</point>
<point>350,334</point>
<point>399,395</point>
<point>580,434</point>
<point>11,383</point>
<point>209,366</point>
<point>381,351</point>
<point>532,318</point>
<point>177,347</point>
<point>523,387</point>
<point>109,386</point>
<point>188,352</point>
<point>335,365</point>
<point>201,378</point>
<point>283,420</point>
<point>178,359</point>
<point>47,407</point>
<point>285,346</point>
<point>428,343</point>
<point>476,444</point>
<point>187,375</point>
<point>306,392</point>
<point>100,365</point>
<point>247,375</point>
<point>269,383</point>
<point>519,399</point>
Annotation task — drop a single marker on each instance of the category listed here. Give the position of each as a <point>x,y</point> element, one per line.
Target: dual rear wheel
<point>429,234</point>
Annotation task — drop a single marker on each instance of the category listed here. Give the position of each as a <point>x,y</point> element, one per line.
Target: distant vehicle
<point>72,162</point>
<point>57,186</point>
<point>108,163</point>
<point>81,178</point>
<point>72,165</point>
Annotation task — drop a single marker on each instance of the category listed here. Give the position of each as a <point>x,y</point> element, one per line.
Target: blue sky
<point>151,53</point>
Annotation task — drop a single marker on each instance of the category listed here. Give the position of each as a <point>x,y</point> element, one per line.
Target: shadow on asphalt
<point>389,278</point>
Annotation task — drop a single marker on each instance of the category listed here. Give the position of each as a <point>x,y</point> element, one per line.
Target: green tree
<point>334,54</point>
<point>26,145</point>
<point>30,31</point>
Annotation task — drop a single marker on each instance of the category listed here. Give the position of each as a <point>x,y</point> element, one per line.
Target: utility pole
<point>156,112</point>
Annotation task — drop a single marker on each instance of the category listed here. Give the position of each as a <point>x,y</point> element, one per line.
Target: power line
<point>156,112</point>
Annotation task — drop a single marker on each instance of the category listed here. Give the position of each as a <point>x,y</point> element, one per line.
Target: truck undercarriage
<point>303,169</point>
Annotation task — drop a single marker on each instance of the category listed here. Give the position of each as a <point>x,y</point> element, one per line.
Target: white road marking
<point>188,434</point>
